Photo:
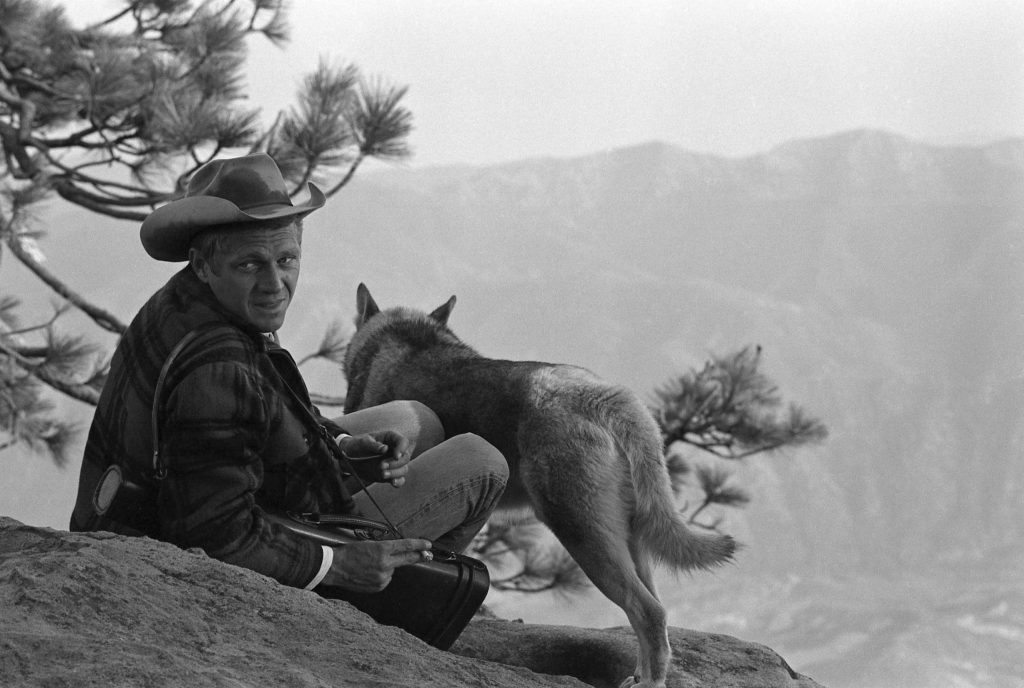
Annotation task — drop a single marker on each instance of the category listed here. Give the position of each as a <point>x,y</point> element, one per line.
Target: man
<point>237,433</point>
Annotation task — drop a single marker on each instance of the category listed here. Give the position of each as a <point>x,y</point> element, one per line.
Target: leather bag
<point>432,600</point>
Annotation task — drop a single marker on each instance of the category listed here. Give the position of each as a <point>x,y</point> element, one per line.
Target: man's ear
<point>199,265</point>
<point>366,307</point>
<point>442,313</point>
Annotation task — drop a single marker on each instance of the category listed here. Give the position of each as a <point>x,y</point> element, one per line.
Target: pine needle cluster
<point>728,410</point>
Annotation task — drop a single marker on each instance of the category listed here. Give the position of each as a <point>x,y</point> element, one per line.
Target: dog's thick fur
<point>585,454</point>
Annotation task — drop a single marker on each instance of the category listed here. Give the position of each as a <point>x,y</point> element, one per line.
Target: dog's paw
<point>634,682</point>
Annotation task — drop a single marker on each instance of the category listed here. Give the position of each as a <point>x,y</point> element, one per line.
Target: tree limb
<point>83,393</point>
<point>70,193</point>
<point>348,176</point>
<point>100,316</point>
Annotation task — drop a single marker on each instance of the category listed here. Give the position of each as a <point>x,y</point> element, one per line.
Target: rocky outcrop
<point>603,657</point>
<point>104,610</point>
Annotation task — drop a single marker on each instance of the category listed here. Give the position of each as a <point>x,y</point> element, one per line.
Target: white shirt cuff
<point>339,438</point>
<point>325,566</point>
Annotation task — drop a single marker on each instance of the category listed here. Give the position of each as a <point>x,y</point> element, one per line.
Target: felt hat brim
<point>168,231</point>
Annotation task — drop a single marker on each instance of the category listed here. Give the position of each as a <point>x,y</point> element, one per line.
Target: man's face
<point>253,274</point>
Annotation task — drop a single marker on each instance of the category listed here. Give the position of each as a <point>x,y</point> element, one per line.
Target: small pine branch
<point>8,317</point>
<point>333,345</point>
<point>678,471</point>
<point>381,122</point>
<point>554,571</point>
<point>276,28</point>
<point>26,416</point>
<point>59,361</point>
<point>68,355</point>
<point>528,558</point>
<point>317,131</point>
<point>731,409</point>
<point>715,482</point>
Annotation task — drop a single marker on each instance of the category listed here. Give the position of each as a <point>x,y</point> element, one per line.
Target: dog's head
<point>384,336</point>
<point>367,308</point>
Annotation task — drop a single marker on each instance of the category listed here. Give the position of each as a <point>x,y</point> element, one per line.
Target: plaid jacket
<point>230,436</point>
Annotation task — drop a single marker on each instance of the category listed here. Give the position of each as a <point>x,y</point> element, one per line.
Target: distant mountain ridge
<point>882,276</point>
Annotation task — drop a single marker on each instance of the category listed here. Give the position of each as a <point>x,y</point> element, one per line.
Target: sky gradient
<point>498,81</point>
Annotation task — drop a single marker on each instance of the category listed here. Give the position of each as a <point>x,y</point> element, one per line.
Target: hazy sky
<point>501,80</point>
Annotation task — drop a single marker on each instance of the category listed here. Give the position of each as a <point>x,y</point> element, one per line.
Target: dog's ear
<point>366,307</point>
<point>442,313</point>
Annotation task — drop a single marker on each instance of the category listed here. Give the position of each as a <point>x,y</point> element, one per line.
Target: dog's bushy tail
<point>656,520</point>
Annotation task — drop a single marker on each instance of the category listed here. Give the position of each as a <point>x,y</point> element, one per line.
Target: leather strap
<point>333,447</point>
<point>159,469</point>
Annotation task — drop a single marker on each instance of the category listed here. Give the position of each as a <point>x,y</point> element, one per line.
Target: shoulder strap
<point>159,469</point>
<point>332,446</point>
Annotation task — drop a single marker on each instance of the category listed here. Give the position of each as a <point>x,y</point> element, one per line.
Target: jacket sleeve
<point>214,429</point>
<point>332,426</point>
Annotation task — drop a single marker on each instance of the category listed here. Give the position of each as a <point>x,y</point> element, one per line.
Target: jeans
<point>452,486</point>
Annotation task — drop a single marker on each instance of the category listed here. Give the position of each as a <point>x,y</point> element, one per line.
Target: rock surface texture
<point>104,610</point>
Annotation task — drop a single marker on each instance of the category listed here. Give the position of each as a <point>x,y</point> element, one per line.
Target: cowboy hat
<point>245,189</point>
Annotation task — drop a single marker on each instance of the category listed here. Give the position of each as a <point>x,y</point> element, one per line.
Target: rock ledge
<point>98,609</point>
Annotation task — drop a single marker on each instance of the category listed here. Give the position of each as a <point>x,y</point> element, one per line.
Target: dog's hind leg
<point>645,572</point>
<point>587,504</point>
<point>610,566</point>
<point>644,564</point>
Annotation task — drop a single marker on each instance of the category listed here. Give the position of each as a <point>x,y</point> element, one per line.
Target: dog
<point>586,455</point>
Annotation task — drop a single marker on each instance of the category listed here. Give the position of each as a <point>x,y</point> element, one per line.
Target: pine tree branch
<point>696,512</point>
<point>29,351</point>
<point>84,393</point>
<point>348,175</point>
<point>106,205</point>
<point>113,18</point>
<point>728,409</point>
<point>14,149</point>
<point>332,345</point>
<point>100,316</point>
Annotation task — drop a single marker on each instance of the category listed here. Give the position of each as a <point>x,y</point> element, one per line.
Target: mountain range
<point>882,278</point>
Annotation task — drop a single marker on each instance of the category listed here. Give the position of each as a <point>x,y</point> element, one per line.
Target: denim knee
<point>431,432</point>
<point>486,456</point>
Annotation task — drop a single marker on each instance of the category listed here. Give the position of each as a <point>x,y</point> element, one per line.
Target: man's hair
<point>207,243</point>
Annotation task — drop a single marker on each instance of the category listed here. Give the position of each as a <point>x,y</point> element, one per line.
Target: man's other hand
<point>367,565</point>
<point>381,456</point>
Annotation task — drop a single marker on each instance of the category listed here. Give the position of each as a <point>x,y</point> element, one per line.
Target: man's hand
<point>367,565</point>
<point>381,456</point>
